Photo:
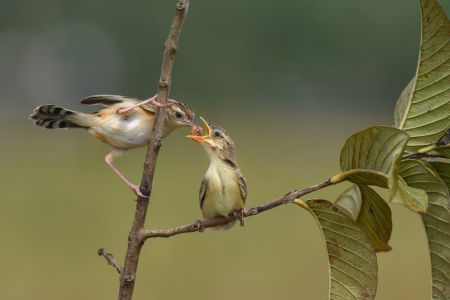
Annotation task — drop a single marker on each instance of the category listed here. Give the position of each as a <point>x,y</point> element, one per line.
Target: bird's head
<point>179,114</point>
<point>216,141</point>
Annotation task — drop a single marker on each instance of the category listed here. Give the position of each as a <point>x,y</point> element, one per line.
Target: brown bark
<point>286,199</point>
<point>136,236</point>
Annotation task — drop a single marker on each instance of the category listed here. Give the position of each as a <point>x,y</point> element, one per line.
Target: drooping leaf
<point>443,169</point>
<point>350,202</point>
<point>420,175</point>
<point>423,108</point>
<point>370,212</point>
<point>415,199</point>
<point>352,259</point>
<point>372,156</point>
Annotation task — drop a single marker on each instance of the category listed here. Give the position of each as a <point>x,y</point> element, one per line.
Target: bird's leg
<point>239,214</point>
<point>200,225</point>
<point>109,160</point>
<point>151,100</point>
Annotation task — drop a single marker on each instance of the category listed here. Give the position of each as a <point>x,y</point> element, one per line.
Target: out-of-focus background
<point>290,80</point>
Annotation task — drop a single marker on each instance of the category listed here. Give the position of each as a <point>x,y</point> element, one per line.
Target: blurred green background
<point>290,80</point>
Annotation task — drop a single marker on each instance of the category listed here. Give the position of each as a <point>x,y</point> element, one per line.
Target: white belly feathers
<point>137,125</point>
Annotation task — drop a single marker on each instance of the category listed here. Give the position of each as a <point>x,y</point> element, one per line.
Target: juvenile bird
<point>223,189</point>
<point>124,124</point>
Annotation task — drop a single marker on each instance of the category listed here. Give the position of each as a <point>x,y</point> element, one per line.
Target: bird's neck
<point>221,164</point>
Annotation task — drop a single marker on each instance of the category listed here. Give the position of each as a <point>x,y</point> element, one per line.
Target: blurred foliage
<point>310,54</point>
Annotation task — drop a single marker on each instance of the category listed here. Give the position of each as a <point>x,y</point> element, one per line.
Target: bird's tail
<point>51,116</point>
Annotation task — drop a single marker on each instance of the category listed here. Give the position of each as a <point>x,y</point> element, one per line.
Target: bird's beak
<point>202,138</point>
<point>191,124</point>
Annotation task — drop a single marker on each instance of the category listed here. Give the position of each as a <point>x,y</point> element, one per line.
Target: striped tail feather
<point>52,116</point>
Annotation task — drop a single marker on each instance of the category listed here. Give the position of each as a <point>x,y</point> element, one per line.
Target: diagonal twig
<point>110,259</point>
<point>286,199</point>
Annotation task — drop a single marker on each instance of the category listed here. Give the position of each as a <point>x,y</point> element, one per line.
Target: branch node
<point>128,278</point>
<point>157,145</point>
<point>252,211</point>
<point>181,5</point>
<point>163,82</point>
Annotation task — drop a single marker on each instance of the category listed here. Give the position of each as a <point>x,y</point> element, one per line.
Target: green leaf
<point>350,202</point>
<point>444,150</point>
<point>420,175</point>
<point>415,178</point>
<point>371,212</point>
<point>401,106</point>
<point>415,199</point>
<point>372,157</point>
<point>445,139</point>
<point>443,169</point>
<point>352,259</point>
<point>423,108</point>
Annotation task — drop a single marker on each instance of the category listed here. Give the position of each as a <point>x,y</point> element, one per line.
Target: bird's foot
<point>136,190</point>
<point>200,224</point>
<point>152,101</point>
<point>239,214</point>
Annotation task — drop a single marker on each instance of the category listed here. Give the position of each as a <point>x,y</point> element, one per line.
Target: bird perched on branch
<point>223,189</point>
<point>124,124</point>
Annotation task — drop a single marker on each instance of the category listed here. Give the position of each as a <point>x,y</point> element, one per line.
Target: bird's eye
<point>217,134</point>
<point>178,115</point>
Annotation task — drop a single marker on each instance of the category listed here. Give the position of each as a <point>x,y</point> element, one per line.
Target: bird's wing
<point>243,187</point>
<point>202,193</point>
<point>107,100</point>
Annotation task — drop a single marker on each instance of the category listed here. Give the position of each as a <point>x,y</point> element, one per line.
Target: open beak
<point>202,138</point>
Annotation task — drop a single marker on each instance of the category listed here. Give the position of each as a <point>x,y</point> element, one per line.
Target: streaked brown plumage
<point>223,190</point>
<point>124,124</point>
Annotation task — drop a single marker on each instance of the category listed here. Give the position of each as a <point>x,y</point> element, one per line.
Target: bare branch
<point>135,239</point>
<point>417,155</point>
<point>287,198</point>
<point>110,259</point>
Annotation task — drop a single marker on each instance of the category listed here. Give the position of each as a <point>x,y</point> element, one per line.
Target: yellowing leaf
<point>415,199</point>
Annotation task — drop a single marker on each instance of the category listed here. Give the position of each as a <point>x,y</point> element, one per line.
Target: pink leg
<point>109,160</point>
<point>200,224</point>
<point>151,100</point>
<point>239,214</point>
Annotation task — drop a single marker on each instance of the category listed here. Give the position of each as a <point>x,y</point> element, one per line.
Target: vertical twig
<point>136,237</point>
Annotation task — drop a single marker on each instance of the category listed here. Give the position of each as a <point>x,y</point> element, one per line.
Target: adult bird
<point>125,123</point>
<point>223,190</point>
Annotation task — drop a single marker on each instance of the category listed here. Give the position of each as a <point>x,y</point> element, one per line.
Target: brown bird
<point>223,190</point>
<point>124,124</point>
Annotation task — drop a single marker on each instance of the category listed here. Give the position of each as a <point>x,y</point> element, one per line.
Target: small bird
<point>223,190</point>
<point>124,124</point>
